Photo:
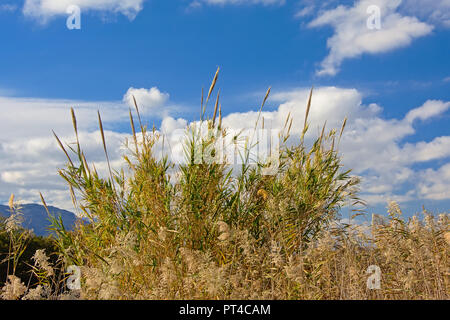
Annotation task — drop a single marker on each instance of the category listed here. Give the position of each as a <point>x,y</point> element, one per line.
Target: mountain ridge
<point>37,219</point>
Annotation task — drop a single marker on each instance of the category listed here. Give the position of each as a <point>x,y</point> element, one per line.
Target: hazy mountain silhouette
<point>37,219</point>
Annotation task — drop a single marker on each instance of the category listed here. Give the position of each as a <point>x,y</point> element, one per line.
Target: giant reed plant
<point>161,218</point>
<point>209,230</point>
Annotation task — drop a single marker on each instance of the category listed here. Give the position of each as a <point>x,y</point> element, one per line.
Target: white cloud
<point>147,99</point>
<point>305,11</point>
<point>238,2</point>
<point>30,117</point>
<point>352,37</point>
<point>29,152</point>
<point>29,166</point>
<point>435,184</point>
<point>371,145</point>
<point>438,148</point>
<point>169,124</point>
<point>48,8</point>
<point>430,109</point>
<point>434,11</point>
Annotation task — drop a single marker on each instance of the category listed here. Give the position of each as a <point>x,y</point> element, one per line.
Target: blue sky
<point>373,76</point>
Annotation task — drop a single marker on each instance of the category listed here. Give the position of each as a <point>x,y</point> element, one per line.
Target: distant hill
<point>36,217</point>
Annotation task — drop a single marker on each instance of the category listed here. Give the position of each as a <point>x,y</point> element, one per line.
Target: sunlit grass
<point>220,233</point>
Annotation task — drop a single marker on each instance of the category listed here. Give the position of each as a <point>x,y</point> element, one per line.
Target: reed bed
<point>218,232</point>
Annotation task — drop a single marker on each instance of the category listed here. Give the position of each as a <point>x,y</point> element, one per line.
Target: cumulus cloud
<point>29,152</point>
<point>48,8</point>
<point>147,99</point>
<point>372,145</point>
<point>435,184</point>
<point>30,156</point>
<point>352,37</point>
<point>29,166</point>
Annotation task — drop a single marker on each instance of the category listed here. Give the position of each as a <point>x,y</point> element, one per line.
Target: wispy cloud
<point>8,7</point>
<point>45,9</point>
<point>198,3</point>
<point>434,11</point>
<point>352,38</point>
